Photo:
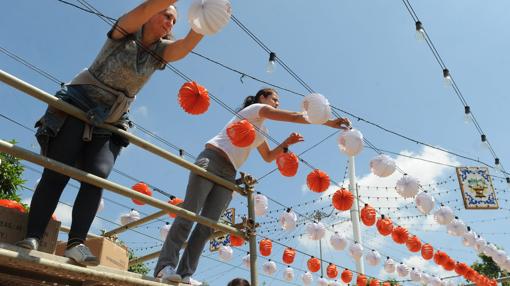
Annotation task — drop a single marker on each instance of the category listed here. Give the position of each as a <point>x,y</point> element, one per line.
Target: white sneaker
<point>191,281</point>
<point>82,255</point>
<point>29,243</point>
<point>168,274</point>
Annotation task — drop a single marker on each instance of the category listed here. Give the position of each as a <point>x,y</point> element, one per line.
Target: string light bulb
<point>496,162</point>
<point>420,32</point>
<point>468,117</point>
<point>484,143</point>
<point>271,63</point>
<point>447,77</point>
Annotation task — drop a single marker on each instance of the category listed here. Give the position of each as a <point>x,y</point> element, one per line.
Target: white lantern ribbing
<point>316,109</point>
<point>415,275</point>
<point>288,274</point>
<point>338,241</point>
<point>163,231</point>
<point>373,258</point>
<point>444,215</point>
<point>322,282</point>
<point>456,227</point>
<point>208,17</point>
<point>389,265</point>
<point>469,239</point>
<point>351,142</point>
<point>315,230</point>
<point>307,278</point>
<point>288,220</point>
<point>225,252</point>
<point>425,202</point>
<point>402,270</point>
<point>382,165</point>
<point>261,205</point>
<point>356,251</point>
<point>407,186</point>
<point>269,267</point>
<point>130,217</point>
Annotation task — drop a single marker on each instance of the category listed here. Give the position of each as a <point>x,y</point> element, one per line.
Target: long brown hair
<point>249,100</point>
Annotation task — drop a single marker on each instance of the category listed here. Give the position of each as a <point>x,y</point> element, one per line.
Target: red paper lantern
<point>413,244</point>
<point>343,200</point>
<point>265,247</point>
<point>314,264</point>
<point>174,201</point>
<point>374,282</point>
<point>193,98</point>
<point>288,255</point>
<point>241,133</point>
<point>361,280</point>
<point>461,268</point>
<point>368,215</point>
<point>332,271</point>
<point>236,240</point>
<point>141,187</point>
<point>427,251</point>
<point>449,265</point>
<point>384,226</point>
<point>386,283</point>
<point>318,181</point>
<point>400,235</point>
<point>12,205</point>
<point>287,163</point>
<point>346,276</point>
<point>440,257</point>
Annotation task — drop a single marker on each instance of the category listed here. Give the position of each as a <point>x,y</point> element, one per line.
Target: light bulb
<point>447,77</point>
<point>484,143</point>
<point>271,63</point>
<point>420,32</point>
<point>468,118</point>
<point>498,165</point>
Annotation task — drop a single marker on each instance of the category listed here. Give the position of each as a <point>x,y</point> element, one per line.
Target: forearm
<point>181,48</point>
<point>277,151</point>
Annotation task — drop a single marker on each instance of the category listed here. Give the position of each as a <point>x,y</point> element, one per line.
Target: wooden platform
<point>22,267</point>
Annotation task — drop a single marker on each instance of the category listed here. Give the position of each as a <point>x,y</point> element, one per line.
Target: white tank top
<point>238,155</point>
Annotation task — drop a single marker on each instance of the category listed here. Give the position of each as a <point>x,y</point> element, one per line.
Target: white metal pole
<point>360,266</point>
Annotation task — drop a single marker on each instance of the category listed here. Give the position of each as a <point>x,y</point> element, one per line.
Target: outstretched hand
<point>339,123</point>
<point>293,139</point>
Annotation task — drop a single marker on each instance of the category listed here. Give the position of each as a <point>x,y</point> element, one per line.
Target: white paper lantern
<point>469,238</point>
<point>288,274</point>
<point>101,205</point>
<point>338,241</point>
<point>444,215</point>
<point>351,142</point>
<point>335,283</point>
<point>208,17</point>
<point>130,217</point>
<point>382,165</point>
<point>322,282</point>
<point>246,260</point>
<point>163,231</point>
<point>402,270</point>
<point>490,250</point>
<point>407,186</point>
<point>288,220</point>
<point>415,275</point>
<point>225,252</point>
<point>316,109</point>
<point>435,281</point>
<point>499,257</point>
<point>269,267</point>
<point>506,264</point>
<point>373,258</point>
<point>425,278</point>
<point>480,244</point>
<point>389,265</point>
<point>307,278</point>
<point>315,230</point>
<point>261,205</point>
<point>456,227</point>
<point>425,202</point>
<point>356,251</point>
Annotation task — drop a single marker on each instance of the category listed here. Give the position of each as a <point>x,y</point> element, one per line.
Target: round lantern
<point>225,252</point>
<point>307,278</point>
<point>317,181</point>
<point>288,220</point>
<point>356,251</point>
<point>499,257</point>
<point>407,186</point>
<point>490,250</point>
<point>402,270</point>
<point>241,133</point>
<point>389,265</point>
<point>384,226</point>
<point>269,267</point>
<point>480,243</point>
<point>261,205</point>
<point>313,264</point>
<point>236,240</point>
<point>208,17</point>
<point>435,281</point>
<point>315,230</point>
<point>322,282</point>
<point>413,244</point>
<point>440,257</point>
<point>176,202</point>
<point>361,280</point>
<point>287,163</point>
<point>130,217</point>
<point>449,265</point>
<point>343,200</point>
<point>288,274</point>
<point>374,282</point>
<point>424,202</point>
<point>425,278</point>
<point>142,188</point>
<point>163,231</point>
<point>346,276</point>
<point>316,109</point>
<point>400,235</point>
<point>288,255</point>
<point>469,239</point>
<point>11,204</point>
<point>373,258</point>
<point>415,275</point>
<point>351,142</point>
<point>338,241</point>
<point>461,268</point>
<point>427,251</point>
<point>368,215</point>
<point>332,271</point>
<point>265,247</point>
<point>444,215</point>
<point>382,165</point>
<point>246,261</point>
<point>456,227</point>
<point>335,283</point>
<point>193,98</point>
<point>386,283</point>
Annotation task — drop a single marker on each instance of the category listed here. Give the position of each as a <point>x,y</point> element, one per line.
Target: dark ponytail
<point>249,100</point>
<point>239,282</point>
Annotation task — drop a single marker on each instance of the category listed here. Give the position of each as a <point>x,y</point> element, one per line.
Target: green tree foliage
<point>489,268</point>
<point>11,176</point>
<point>139,268</point>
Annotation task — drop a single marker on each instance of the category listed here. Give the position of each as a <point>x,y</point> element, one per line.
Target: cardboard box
<point>108,252</point>
<point>13,228</point>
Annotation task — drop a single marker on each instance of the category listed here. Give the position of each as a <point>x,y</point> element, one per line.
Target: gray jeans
<point>204,197</point>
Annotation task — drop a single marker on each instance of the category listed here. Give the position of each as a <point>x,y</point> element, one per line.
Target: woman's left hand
<point>293,139</point>
<point>340,123</point>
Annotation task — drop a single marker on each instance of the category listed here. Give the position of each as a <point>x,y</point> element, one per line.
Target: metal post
<point>360,266</point>
<point>251,231</point>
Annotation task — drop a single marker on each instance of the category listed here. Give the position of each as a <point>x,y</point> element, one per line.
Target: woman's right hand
<point>293,139</point>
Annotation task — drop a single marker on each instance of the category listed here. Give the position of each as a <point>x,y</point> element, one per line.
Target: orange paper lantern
<point>332,271</point>
<point>368,215</point>
<point>314,264</point>
<point>236,240</point>
<point>288,255</point>
<point>413,244</point>
<point>318,181</point>
<point>346,276</point>
<point>427,251</point>
<point>384,226</point>
<point>343,200</point>
<point>461,268</point>
<point>141,187</point>
<point>400,235</point>
<point>449,265</point>
<point>12,205</point>
<point>374,282</point>
<point>440,257</point>
<point>174,201</point>
<point>287,163</point>
<point>241,133</point>
<point>361,280</point>
<point>386,283</point>
<point>265,247</point>
<point>193,98</point>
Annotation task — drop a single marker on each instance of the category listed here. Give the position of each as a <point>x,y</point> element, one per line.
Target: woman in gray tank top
<point>136,46</point>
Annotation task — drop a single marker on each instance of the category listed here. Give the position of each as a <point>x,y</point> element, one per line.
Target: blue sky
<point>362,55</point>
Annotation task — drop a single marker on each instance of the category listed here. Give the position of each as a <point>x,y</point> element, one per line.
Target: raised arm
<point>272,113</point>
<point>180,48</point>
<point>270,155</point>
